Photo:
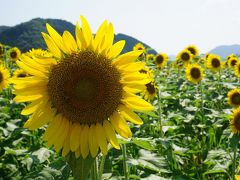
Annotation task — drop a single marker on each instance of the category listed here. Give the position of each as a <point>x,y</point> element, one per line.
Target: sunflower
<point>38,53</point>
<point>14,53</point>
<point>1,49</point>
<point>194,73</point>
<point>237,69</point>
<point>85,92</point>
<point>139,46</point>
<point>4,78</point>
<point>235,121</point>
<point>19,73</point>
<point>161,60</point>
<point>150,92</point>
<point>234,97</point>
<point>148,72</point>
<point>185,56</point>
<point>193,50</point>
<point>232,61</point>
<point>214,63</point>
<point>150,57</point>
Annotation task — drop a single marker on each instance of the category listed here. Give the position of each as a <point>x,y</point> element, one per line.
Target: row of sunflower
<point>85,95</point>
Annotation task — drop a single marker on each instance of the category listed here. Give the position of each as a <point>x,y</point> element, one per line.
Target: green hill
<point>27,35</point>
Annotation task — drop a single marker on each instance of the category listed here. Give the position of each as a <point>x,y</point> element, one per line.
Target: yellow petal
<point>75,136</point>
<point>66,145</point>
<point>137,104</point>
<point>86,30</point>
<point>101,138</point>
<point>120,125</point>
<point>110,134</point>
<point>127,57</point>
<point>28,98</point>
<point>116,49</point>
<point>92,139</point>
<point>84,142</point>
<point>30,70</point>
<point>29,109</point>
<point>56,37</point>
<point>52,46</point>
<point>62,136</point>
<point>130,115</point>
<point>78,152</point>
<point>108,39</point>
<point>100,35</point>
<point>69,42</point>
<point>42,116</point>
<point>79,37</point>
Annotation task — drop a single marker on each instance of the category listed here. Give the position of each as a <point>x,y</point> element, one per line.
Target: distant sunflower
<point>185,56</point>
<point>147,71</point>
<point>237,69</point>
<point>202,61</point>
<point>19,73</point>
<point>232,61</point>
<point>14,53</point>
<point>150,57</point>
<point>194,73</point>
<point>231,56</point>
<point>4,78</point>
<point>193,50</point>
<point>235,121</point>
<point>234,97</point>
<point>139,46</point>
<point>150,92</point>
<point>1,49</point>
<point>161,60</point>
<point>85,92</point>
<point>214,63</point>
<point>38,53</point>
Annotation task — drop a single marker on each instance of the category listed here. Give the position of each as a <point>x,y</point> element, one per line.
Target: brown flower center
<point>235,98</point>
<point>159,59</point>
<point>150,88</point>
<point>185,56</point>
<point>216,63</point>
<point>195,73</point>
<point>13,54</point>
<point>85,87</point>
<point>192,50</point>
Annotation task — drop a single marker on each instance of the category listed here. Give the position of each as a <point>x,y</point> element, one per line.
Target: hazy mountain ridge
<point>28,35</point>
<point>225,50</point>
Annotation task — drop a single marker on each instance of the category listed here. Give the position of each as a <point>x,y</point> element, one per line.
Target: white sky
<point>165,25</point>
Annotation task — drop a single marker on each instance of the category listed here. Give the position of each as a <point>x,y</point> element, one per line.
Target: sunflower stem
<point>159,112</point>
<point>235,141</point>
<point>125,167</point>
<point>101,168</point>
<point>94,171</point>
<point>80,167</point>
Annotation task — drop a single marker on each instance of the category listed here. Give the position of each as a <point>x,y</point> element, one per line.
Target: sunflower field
<point>83,110</point>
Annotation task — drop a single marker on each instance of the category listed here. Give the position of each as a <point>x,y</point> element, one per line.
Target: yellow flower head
<point>161,60</point>
<point>150,57</point>
<point>232,61</point>
<point>193,50</point>
<point>214,63</point>
<point>150,92</point>
<point>194,73</point>
<point>147,71</point>
<point>4,77</point>
<point>19,73</point>
<point>185,56</point>
<point>38,53</point>
<point>1,49</point>
<point>139,46</point>
<point>235,121</point>
<point>14,53</point>
<point>86,92</point>
<point>237,69</point>
<point>234,97</point>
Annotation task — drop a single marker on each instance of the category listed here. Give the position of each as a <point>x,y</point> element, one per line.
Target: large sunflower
<point>235,121</point>
<point>85,92</point>
<point>193,50</point>
<point>14,53</point>
<point>214,63</point>
<point>234,97</point>
<point>4,78</point>
<point>185,56</point>
<point>194,73</point>
<point>161,60</point>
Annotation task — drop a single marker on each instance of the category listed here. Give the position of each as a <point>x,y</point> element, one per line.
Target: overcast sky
<point>165,25</point>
